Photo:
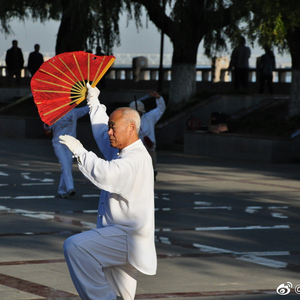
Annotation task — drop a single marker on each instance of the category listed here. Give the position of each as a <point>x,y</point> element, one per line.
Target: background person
<point>35,60</point>
<point>66,125</point>
<point>267,65</point>
<point>148,121</point>
<point>104,262</point>
<point>240,63</point>
<point>14,63</point>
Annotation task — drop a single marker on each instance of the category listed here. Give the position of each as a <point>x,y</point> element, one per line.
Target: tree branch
<point>157,15</point>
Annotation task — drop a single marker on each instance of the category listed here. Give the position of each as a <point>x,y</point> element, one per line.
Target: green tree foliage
<point>85,23</point>
<point>27,9</point>
<point>276,23</point>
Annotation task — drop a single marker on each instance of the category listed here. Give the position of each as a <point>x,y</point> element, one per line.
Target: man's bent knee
<point>69,246</point>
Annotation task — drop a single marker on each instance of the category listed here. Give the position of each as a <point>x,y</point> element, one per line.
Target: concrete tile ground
<point>224,229</point>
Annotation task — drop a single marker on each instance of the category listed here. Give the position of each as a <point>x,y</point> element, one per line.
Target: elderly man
<point>104,262</point>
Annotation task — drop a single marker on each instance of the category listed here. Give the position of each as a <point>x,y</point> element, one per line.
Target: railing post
<point>153,75</point>
<point>166,74</point>
<point>250,74</point>
<point>110,74</point>
<point>128,74</point>
<point>27,73</point>
<point>145,75</point>
<point>205,75</point>
<point>118,74</point>
<point>218,63</point>
<point>281,75</point>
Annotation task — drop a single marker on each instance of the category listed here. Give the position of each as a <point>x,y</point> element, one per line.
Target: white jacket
<point>127,197</point>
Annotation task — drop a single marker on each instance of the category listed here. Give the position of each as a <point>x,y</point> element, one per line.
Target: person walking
<point>104,262</point>
<point>66,125</point>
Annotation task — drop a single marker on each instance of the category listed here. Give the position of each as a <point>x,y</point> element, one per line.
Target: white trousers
<point>65,158</point>
<point>99,267</point>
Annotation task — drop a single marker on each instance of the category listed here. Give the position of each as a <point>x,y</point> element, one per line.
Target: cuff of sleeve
<point>96,104</point>
<point>78,152</point>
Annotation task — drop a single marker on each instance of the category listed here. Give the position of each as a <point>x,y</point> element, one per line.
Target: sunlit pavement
<point>224,229</point>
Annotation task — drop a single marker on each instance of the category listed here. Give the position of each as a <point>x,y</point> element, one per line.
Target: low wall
<point>16,127</point>
<point>173,135</point>
<point>173,129</point>
<point>9,93</point>
<point>228,146</point>
<point>239,147</point>
<point>24,127</point>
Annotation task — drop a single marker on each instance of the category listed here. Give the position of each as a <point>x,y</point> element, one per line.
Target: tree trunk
<point>294,46</point>
<point>294,104</point>
<point>183,83</point>
<point>72,30</point>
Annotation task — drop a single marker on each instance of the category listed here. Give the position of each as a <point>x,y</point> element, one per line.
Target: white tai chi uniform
<point>66,125</point>
<point>104,262</point>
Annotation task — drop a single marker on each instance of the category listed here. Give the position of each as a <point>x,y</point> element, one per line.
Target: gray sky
<point>146,41</point>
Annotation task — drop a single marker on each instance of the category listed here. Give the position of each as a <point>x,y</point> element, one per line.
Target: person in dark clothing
<point>240,63</point>
<point>267,65</point>
<point>35,60</point>
<point>14,62</point>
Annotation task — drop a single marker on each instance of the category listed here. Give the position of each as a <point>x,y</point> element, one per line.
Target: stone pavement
<point>224,229</point>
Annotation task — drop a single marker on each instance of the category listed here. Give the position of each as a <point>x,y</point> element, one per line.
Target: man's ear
<point>132,127</point>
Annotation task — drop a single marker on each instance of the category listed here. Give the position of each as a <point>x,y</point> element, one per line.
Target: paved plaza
<point>225,229</point>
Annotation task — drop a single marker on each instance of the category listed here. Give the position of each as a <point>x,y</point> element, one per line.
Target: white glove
<point>73,144</point>
<point>92,95</point>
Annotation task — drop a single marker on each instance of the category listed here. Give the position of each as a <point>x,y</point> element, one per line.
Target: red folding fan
<point>60,83</point>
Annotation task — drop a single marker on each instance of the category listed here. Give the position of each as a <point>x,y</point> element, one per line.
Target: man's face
<point>119,130</point>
